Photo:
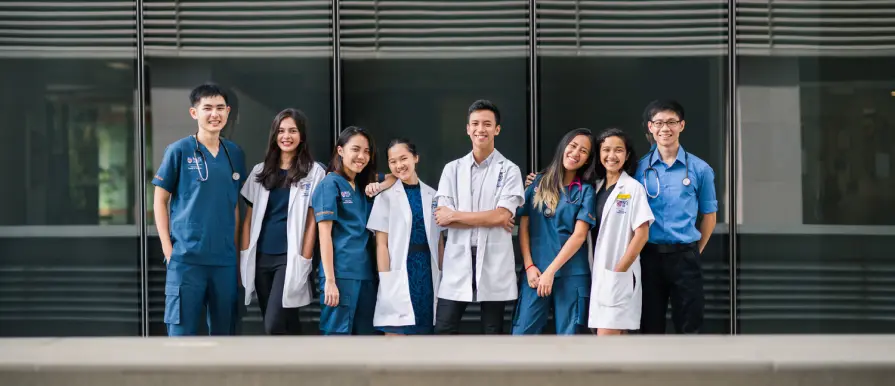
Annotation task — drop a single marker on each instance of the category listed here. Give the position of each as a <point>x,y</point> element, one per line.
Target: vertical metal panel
<point>532,86</point>
<point>732,165</point>
<point>140,177</point>
<point>337,74</point>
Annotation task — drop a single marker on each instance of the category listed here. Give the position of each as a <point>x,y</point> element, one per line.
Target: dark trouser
<point>671,271</point>
<point>449,313</point>
<point>270,276</point>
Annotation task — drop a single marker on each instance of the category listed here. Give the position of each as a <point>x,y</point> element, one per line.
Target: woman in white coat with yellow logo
<point>408,245</point>
<point>279,230</point>
<point>625,218</point>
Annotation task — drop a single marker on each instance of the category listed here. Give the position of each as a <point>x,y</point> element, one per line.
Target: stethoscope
<point>548,212</point>
<point>685,181</point>
<point>200,154</point>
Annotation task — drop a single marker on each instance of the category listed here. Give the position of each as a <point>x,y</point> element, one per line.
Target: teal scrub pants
<point>354,314</point>
<point>569,300</point>
<point>190,288</point>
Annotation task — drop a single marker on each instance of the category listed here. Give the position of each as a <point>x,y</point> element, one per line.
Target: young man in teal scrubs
<point>200,175</point>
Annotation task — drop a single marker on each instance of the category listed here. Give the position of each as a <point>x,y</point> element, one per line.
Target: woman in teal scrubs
<point>348,292</point>
<point>554,222</point>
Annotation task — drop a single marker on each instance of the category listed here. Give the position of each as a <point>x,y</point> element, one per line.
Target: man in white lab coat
<point>477,199</point>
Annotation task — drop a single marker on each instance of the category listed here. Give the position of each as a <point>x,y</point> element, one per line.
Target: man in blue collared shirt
<point>680,187</point>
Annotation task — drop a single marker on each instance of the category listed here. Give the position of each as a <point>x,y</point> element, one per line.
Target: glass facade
<point>791,103</point>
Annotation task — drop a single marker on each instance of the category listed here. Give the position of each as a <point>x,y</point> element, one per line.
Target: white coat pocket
<point>393,306</point>
<point>616,288</point>
<point>296,292</point>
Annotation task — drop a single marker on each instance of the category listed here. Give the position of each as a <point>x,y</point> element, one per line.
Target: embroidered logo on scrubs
<point>346,197</point>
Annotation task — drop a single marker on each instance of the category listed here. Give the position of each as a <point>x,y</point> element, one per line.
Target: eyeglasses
<point>671,124</point>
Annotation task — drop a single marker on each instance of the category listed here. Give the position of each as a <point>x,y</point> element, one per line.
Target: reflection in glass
<point>816,186</point>
<point>68,232</point>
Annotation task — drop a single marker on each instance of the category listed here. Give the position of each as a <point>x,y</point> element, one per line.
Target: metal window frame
<point>141,180</point>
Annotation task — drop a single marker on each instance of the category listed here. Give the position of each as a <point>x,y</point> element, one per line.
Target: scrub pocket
<point>615,288</point>
<point>337,320</point>
<point>582,305</point>
<point>172,304</point>
<point>393,300</point>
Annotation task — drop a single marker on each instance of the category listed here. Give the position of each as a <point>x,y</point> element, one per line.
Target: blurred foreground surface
<point>457,360</point>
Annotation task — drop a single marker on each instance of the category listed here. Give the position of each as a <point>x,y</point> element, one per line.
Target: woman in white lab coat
<point>408,244</point>
<point>279,230</point>
<point>622,231</point>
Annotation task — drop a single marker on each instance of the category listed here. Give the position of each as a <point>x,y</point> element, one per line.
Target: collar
<point>681,155</point>
<point>484,163</point>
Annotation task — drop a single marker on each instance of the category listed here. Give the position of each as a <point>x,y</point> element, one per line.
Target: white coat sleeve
<point>446,196</point>
<point>513,194</point>
<point>642,212</point>
<point>250,187</point>
<point>319,173</point>
<point>378,221</point>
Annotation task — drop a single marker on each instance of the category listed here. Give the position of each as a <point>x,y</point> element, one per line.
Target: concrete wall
<point>436,361</point>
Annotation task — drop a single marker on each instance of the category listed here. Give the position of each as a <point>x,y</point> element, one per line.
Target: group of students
<point>606,239</point>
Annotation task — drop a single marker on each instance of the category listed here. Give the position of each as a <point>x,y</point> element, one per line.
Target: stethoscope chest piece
<point>236,178</point>
<point>686,181</point>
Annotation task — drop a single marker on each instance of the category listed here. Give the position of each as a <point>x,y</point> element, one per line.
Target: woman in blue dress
<point>341,209</point>
<point>408,242</point>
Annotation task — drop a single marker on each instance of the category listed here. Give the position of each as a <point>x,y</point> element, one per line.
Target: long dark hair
<point>270,176</point>
<point>551,185</point>
<point>366,176</point>
<point>630,164</point>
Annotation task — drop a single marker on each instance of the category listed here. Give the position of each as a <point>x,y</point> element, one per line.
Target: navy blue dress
<point>419,271</point>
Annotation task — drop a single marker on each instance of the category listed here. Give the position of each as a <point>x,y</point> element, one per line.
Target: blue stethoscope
<point>569,200</point>
<point>198,153</point>
<point>685,181</point>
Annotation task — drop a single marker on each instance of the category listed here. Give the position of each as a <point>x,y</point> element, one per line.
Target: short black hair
<point>484,104</point>
<point>658,106</point>
<point>207,90</point>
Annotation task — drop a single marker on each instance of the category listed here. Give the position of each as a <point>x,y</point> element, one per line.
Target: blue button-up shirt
<point>677,206</point>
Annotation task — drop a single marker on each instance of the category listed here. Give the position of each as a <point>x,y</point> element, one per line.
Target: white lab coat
<point>391,214</point>
<point>296,291</point>
<point>615,301</point>
<point>495,259</point>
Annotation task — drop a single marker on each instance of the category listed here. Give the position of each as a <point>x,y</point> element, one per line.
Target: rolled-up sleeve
<point>513,191</point>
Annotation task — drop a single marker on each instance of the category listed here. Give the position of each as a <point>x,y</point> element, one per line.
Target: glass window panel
<point>815,144</point>
<point>268,59</point>
<point>601,63</point>
<point>68,232</point>
<point>412,69</point>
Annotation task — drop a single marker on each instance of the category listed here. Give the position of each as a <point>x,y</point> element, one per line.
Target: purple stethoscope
<point>548,212</point>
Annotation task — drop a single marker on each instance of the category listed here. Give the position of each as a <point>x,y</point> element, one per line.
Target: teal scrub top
<point>548,234</point>
<point>334,199</point>
<point>202,220</point>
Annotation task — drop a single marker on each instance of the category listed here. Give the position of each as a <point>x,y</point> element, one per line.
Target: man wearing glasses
<point>680,187</point>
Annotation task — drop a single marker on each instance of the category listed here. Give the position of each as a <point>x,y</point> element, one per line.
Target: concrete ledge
<point>466,361</point>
